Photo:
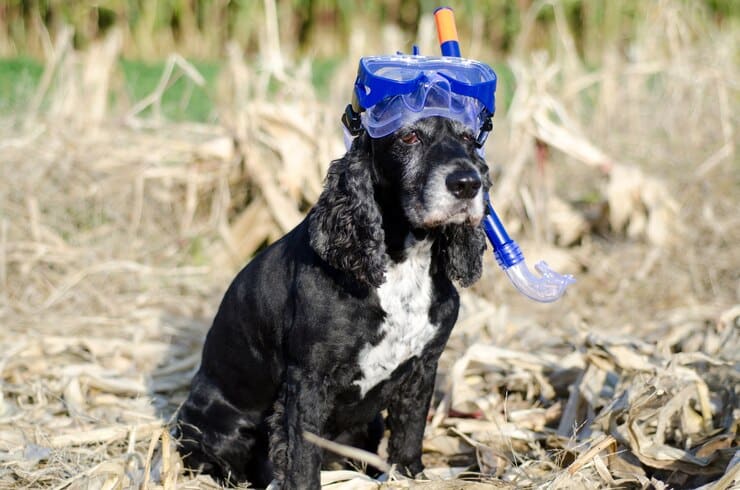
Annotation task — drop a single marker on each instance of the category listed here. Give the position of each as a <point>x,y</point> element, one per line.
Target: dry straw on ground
<point>117,238</point>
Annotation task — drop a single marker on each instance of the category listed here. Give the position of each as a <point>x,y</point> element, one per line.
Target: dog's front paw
<point>413,470</point>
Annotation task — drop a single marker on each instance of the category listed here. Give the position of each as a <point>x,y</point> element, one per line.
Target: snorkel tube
<point>550,285</point>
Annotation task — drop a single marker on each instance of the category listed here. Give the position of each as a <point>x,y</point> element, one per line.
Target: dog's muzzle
<point>455,197</point>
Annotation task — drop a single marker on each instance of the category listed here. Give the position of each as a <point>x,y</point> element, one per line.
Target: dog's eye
<point>468,137</point>
<point>410,138</point>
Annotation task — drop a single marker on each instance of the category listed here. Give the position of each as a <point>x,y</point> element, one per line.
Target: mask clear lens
<point>398,90</point>
<point>394,112</point>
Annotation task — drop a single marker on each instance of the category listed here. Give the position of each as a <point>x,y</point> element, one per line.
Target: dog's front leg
<point>407,416</point>
<point>300,407</point>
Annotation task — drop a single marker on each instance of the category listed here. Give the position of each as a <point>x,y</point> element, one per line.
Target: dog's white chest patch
<point>405,297</point>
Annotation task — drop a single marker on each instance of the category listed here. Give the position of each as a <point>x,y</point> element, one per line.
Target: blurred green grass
<point>317,29</point>
<point>201,28</point>
<point>19,76</point>
<point>183,100</point>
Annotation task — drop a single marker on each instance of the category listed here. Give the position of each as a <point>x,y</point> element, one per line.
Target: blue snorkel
<point>391,91</point>
<point>548,287</point>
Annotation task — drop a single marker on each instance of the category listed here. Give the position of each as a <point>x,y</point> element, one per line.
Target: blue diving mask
<point>392,91</point>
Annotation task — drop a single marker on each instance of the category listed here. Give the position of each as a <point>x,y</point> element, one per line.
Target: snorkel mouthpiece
<point>548,287</point>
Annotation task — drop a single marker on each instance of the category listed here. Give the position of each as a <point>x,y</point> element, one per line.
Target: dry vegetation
<point>119,234</point>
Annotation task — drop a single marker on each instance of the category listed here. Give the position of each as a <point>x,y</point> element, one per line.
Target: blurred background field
<point>148,149</point>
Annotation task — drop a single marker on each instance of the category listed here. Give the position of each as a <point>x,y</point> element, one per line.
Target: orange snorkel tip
<point>444,18</point>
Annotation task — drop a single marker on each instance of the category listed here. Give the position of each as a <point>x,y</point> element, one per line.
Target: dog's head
<point>427,175</point>
<point>436,172</point>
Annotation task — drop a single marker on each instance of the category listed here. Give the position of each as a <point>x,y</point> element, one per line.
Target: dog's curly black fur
<point>298,342</point>
<point>346,227</point>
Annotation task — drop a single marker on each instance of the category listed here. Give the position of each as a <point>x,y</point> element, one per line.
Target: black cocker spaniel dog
<point>345,316</point>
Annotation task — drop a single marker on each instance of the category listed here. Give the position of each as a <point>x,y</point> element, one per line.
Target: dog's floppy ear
<point>345,225</point>
<point>461,250</point>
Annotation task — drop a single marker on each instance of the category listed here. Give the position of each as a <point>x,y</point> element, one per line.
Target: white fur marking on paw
<point>405,296</point>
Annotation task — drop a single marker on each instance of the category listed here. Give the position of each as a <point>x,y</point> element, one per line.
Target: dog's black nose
<point>463,184</point>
